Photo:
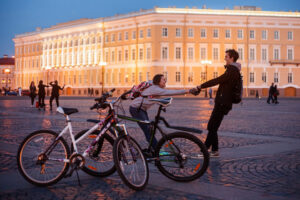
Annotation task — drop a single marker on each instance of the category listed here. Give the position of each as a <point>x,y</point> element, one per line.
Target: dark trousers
<point>41,101</point>
<point>32,97</point>
<point>143,115</point>
<point>270,98</point>
<point>56,99</point>
<point>213,125</point>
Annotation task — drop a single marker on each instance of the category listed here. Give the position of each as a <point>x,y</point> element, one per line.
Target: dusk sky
<point>20,16</point>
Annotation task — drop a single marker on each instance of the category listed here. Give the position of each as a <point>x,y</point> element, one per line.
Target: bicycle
<point>180,156</point>
<point>44,156</point>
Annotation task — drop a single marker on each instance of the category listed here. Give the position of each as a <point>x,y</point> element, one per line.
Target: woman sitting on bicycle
<point>139,106</point>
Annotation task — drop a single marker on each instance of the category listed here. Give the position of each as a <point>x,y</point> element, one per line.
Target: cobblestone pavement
<point>259,146</point>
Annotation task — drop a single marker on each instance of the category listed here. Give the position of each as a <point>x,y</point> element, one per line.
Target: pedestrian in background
<point>32,94</point>
<point>20,91</point>
<point>271,92</point>
<point>55,93</point>
<point>42,94</point>
<point>210,93</point>
<point>275,94</point>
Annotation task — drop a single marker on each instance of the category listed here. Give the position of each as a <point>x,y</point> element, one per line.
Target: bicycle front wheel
<point>99,161</point>
<point>130,162</point>
<point>38,167</point>
<point>181,157</point>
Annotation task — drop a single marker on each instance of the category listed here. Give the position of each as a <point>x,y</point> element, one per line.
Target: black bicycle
<point>180,155</point>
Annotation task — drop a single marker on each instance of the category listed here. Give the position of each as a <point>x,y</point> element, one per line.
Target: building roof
<point>7,61</point>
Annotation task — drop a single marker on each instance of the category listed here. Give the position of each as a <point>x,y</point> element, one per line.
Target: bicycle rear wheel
<point>100,161</point>
<point>182,157</point>
<point>130,162</point>
<point>37,167</point>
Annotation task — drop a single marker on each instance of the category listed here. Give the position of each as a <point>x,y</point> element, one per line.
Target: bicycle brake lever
<point>164,109</point>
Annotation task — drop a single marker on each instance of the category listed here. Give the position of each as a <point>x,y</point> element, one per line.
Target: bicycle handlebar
<point>102,99</point>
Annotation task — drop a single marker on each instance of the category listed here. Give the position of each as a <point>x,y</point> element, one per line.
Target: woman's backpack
<point>136,90</point>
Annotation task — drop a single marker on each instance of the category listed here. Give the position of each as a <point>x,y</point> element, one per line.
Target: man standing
<point>271,92</point>
<point>55,93</point>
<point>223,99</point>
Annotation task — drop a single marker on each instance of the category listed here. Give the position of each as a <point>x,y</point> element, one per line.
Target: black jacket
<point>55,89</point>
<point>226,83</point>
<point>42,89</point>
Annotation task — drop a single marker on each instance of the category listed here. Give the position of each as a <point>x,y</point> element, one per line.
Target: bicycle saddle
<point>67,111</point>
<point>163,102</point>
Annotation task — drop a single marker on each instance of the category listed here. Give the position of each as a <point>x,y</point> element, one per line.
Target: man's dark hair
<point>233,54</point>
<point>157,78</point>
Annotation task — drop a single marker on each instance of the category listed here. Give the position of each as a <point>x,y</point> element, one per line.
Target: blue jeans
<point>143,115</point>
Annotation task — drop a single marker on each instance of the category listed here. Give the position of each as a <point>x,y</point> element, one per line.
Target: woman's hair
<point>32,83</point>
<point>157,78</point>
<point>41,82</point>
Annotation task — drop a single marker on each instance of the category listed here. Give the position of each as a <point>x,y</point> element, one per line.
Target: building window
<point>133,77</point>
<point>99,39</point>
<point>140,77</point>
<point>133,54</point>
<point>264,77</point>
<point>290,35</point>
<point>141,34</point>
<point>215,74</point>
<point>190,53</point>
<point>276,35</point>
<point>106,38</point>
<point>264,54</point>
<point>178,32</point>
<point>251,77</point>
<point>241,53</point>
<point>252,34</point>
<point>120,36</point>
<point>126,78</point>
<point>147,76</point>
<point>148,32</point>
<point>113,37</point>
<point>165,75</point>
<point>165,53</point>
<point>148,53</point>
<point>276,77</point>
<point>190,77</point>
<point>120,56</point>
<point>177,78</point>
<point>126,55</point>
<point>203,33</point>
<point>74,79</point>
<point>126,35</point>
<point>215,33</point>
<point>120,77</point>
<point>276,54</point>
<point>227,33</point>
<point>252,54</point>
<point>141,52</point>
<point>113,56</point>
<point>215,53</point>
<point>190,32</point>
<point>165,32</point>
<point>178,52</point>
<point>264,34</point>
<point>240,34</point>
<point>203,53</point>
<point>133,35</point>
<point>290,77</point>
<point>290,54</point>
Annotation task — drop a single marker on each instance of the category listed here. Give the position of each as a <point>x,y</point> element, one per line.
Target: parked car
<point>12,93</point>
<point>25,92</point>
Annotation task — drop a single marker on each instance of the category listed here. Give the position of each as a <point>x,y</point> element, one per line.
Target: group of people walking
<point>273,94</point>
<point>42,93</point>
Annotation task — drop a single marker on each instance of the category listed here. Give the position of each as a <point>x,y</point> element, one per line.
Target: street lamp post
<point>47,69</point>
<point>102,64</point>
<point>7,71</point>
<point>206,62</point>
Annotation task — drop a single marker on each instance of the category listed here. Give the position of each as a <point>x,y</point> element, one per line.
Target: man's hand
<point>195,91</point>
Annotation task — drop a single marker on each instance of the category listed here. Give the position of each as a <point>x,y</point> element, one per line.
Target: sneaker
<point>214,154</point>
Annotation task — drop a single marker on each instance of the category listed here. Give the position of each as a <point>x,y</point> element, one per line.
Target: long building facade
<point>186,45</point>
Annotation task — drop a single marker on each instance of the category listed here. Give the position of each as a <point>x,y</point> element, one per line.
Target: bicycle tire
<point>26,169</point>
<point>164,151</point>
<point>122,161</point>
<point>93,168</point>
